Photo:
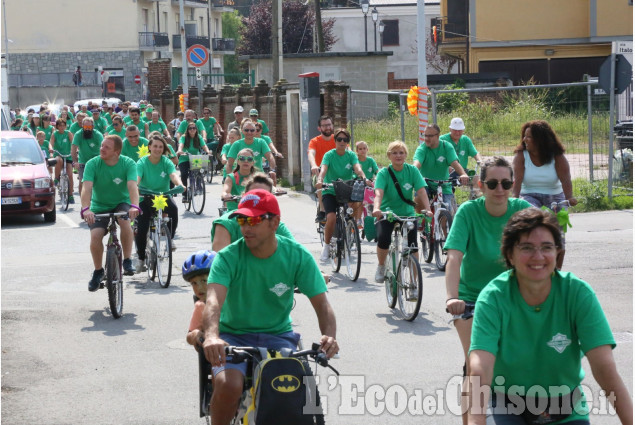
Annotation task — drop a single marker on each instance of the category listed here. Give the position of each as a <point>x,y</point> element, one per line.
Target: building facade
<point>119,37</point>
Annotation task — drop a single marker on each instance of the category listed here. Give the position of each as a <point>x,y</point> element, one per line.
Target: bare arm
<point>379,195</point>
<point>133,191</point>
<point>229,165</point>
<point>227,188</point>
<point>462,176</point>
<point>481,371</point>
<point>417,164</point>
<point>328,326</point>
<point>222,238</point>
<point>272,160</point>
<point>320,178</point>
<point>605,373</point>
<point>452,278</point>
<point>74,151</point>
<point>176,179</point>
<point>52,143</point>
<point>422,201</point>
<point>86,194</point>
<point>314,167</point>
<point>359,172</point>
<point>518,165</point>
<point>564,174</point>
<point>214,346</point>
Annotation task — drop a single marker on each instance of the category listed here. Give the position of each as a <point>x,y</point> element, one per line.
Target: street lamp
<point>375,15</point>
<point>364,4</point>
<point>381,34</point>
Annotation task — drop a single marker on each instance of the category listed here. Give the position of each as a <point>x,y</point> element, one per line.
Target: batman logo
<point>285,383</point>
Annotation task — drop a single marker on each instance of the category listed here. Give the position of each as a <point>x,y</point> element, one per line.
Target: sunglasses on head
<point>246,158</point>
<point>251,221</point>
<point>492,184</point>
<point>249,130</point>
<point>343,139</point>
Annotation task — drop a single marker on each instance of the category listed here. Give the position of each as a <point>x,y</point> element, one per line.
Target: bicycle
<point>403,279</point>
<point>195,195</point>
<point>213,161</point>
<point>474,191</point>
<point>433,236</point>
<point>367,211</point>
<point>222,210</point>
<point>345,242</point>
<point>63,187</point>
<point>114,265</point>
<point>253,356</point>
<point>158,259</point>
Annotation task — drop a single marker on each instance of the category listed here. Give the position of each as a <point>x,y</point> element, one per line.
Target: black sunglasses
<point>343,139</point>
<point>492,184</point>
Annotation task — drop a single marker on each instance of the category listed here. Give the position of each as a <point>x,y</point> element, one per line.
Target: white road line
<point>67,220</point>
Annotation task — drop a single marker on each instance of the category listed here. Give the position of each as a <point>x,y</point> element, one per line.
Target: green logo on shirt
<point>280,289</point>
<point>559,342</point>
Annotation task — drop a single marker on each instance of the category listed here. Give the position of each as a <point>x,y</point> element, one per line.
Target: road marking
<point>68,221</point>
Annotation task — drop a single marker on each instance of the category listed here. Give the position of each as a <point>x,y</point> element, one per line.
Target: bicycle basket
<point>343,190</point>
<point>198,161</point>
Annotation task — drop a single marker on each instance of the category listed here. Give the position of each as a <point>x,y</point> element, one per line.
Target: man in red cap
<point>252,282</point>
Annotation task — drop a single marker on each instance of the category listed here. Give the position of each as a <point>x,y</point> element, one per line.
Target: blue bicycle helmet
<point>198,263</point>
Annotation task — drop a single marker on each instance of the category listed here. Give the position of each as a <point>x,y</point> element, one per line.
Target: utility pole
<point>275,53</point>
<point>183,47</point>
<point>422,72</point>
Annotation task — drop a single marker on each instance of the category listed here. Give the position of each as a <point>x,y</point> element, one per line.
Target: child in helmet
<point>195,270</point>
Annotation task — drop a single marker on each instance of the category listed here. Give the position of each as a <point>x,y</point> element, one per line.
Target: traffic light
<point>434,35</point>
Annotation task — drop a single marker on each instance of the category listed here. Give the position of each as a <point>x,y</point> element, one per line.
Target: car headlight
<point>43,183</point>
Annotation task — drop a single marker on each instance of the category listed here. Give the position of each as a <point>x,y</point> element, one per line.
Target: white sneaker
<point>325,252</point>
<point>380,274</point>
<point>141,266</point>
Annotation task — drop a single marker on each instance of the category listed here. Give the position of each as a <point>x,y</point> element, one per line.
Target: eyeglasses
<point>492,184</point>
<point>249,130</point>
<point>251,221</point>
<point>246,158</point>
<point>191,128</point>
<point>206,113</point>
<point>343,139</point>
<point>530,250</point>
<point>430,135</point>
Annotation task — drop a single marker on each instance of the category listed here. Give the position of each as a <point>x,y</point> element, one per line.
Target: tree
<point>232,27</point>
<point>443,64</point>
<point>297,29</point>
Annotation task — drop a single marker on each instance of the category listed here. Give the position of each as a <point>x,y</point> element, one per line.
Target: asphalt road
<point>65,360</point>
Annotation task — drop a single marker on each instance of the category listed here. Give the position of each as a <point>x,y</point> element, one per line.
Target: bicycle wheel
<point>63,188</point>
<point>320,230</point>
<point>426,250</point>
<point>151,253</point>
<point>164,256</point>
<point>390,279</point>
<point>198,194</point>
<point>409,287</point>
<point>210,170</point>
<point>352,250</point>
<point>188,196</point>
<point>444,224</point>
<point>114,282</point>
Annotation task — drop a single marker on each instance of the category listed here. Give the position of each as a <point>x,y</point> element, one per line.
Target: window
<point>200,19</point>
<point>391,32</point>
<point>216,28</point>
<point>144,17</point>
<point>165,22</point>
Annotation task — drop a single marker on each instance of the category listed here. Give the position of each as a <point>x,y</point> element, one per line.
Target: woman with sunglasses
<point>542,170</point>
<point>473,244</point>
<point>117,127</point>
<point>234,184</point>
<point>190,143</point>
<point>531,327</point>
<point>249,140</point>
<point>274,152</point>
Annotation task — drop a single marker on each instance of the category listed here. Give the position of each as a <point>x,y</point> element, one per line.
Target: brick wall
<point>400,84</point>
<point>158,77</point>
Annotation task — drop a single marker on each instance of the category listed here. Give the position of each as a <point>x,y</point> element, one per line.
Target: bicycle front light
<point>43,183</point>
<point>410,225</point>
<point>349,211</point>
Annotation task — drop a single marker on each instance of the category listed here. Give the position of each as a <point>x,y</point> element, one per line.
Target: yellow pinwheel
<point>159,202</point>
<point>143,151</point>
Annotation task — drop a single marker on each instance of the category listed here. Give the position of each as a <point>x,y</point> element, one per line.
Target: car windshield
<point>20,151</point>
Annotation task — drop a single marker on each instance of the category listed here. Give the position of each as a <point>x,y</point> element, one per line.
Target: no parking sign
<point>197,55</point>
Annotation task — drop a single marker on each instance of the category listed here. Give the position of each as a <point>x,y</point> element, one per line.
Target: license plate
<point>11,201</point>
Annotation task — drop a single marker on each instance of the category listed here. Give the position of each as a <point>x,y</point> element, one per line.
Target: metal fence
<point>493,118</point>
<point>52,79</point>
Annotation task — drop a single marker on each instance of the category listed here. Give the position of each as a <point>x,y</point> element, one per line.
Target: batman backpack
<point>284,392</point>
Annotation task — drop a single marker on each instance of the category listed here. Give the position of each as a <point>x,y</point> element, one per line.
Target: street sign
<point>199,77</point>
<point>197,55</point>
<point>137,79</point>
<point>623,74</point>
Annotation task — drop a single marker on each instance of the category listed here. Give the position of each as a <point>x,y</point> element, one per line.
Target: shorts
<point>384,228</point>
<point>539,200</point>
<point>80,171</point>
<point>329,202</point>
<point>284,340</point>
<point>102,222</point>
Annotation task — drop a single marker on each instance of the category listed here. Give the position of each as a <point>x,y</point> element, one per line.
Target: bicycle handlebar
<point>468,313</point>
<point>454,182</point>
<point>60,154</point>
<point>115,214</point>
<point>175,190</point>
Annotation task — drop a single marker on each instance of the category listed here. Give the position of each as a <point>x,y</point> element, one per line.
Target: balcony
<point>223,5</point>
<point>452,37</point>
<point>223,46</point>
<point>190,40</point>
<point>192,3</point>
<point>154,41</point>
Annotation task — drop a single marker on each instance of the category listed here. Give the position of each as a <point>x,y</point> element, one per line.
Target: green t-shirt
<point>259,147</point>
<point>88,148</point>
<point>183,127</point>
<point>410,181</point>
<point>45,149</point>
<point>477,234</point>
<point>132,152</point>
<point>464,149</point>
<point>225,151</point>
<point>233,228</point>
<point>121,133</point>
<point>208,124</point>
<point>339,167</point>
<point>75,127</point>
<point>141,126</point>
<point>265,128</point>
<point>110,183</point>
<point>171,154</point>
<point>155,177</point>
<point>127,120</point>
<point>47,132</point>
<point>101,124</point>
<point>192,150</point>
<point>370,167</point>
<point>62,143</point>
<point>542,345</point>
<point>107,117</point>
<point>159,126</point>
<point>260,290</point>
<point>435,163</point>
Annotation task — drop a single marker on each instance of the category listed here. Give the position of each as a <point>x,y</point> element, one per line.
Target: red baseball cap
<point>257,202</point>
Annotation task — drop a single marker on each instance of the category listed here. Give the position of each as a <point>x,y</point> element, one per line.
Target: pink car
<point>27,187</point>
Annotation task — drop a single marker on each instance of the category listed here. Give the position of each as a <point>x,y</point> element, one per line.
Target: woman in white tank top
<point>541,170</point>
